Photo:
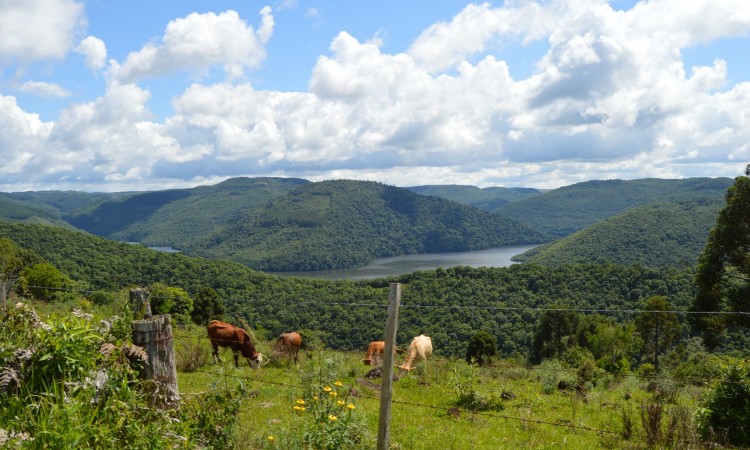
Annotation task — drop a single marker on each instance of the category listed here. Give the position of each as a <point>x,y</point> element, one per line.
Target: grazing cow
<point>288,345</point>
<point>419,350</point>
<point>375,352</point>
<point>226,335</point>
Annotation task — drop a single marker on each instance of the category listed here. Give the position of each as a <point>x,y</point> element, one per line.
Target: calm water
<point>397,265</point>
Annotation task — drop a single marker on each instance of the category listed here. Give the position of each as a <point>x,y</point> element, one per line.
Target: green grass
<point>423,410</point>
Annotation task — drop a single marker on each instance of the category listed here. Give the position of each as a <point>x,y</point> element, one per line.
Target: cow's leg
<point>215,352</point>
<point>236,359</point>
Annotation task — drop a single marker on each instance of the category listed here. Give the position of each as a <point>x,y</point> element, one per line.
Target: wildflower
<point>270,438</point>
<point>332,418</point>
<point>315,398</point>
<point>328,388</point>
<point>338,383</point>
<point>341,403</point>
<point>300,402</point>
<point>350,406</point>
<point>299,408</point>
<point>333,394</point>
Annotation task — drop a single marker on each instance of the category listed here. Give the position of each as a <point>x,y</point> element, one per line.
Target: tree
<point>170,300</point>
<point>555,333</point>
<point>207,306</point>
<point>481,348</point>
<point>723,273</point>
<point>657,326</point>
<point>10,267</point>
<point>46,282</point>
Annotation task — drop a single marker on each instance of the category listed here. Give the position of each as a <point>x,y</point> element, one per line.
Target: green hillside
<point>568,209</point>
<point>344,223</point>
<point>170,217</point>
<point>666,234</point>
<point>65,202</point>
<point>455,302</point>
<point>488,199</point>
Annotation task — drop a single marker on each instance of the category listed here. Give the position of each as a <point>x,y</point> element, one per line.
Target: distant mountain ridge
<point>293,224</point>
<point>568,209</point>
<point>656,235</point>
<point>488,199</point>
<point>344,223</point>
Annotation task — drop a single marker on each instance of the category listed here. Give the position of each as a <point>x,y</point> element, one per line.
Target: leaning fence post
<point>154,335</point>
<point>386,387</point>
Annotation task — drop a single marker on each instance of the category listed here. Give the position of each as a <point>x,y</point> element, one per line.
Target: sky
<point>103,95</point>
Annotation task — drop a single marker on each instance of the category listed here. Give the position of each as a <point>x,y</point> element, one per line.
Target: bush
<point>726,413</point>
<point>481,348</point>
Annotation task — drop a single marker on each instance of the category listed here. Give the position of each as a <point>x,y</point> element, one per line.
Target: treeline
<point>448,304</point>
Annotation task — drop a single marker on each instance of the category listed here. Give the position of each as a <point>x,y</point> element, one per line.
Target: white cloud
<point>44,89</point>
<point>94,52</point>
<point>38,29</point>
<point>611,98</point>
<point>199,42</point>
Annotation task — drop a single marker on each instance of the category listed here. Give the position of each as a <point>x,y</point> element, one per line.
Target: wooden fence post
<point>386,387</point>
<point>154,335</point>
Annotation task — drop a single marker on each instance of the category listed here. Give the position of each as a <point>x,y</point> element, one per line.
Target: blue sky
<point>105,95</point>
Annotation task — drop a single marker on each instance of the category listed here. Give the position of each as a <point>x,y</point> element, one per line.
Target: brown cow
<point>374,355</point>
<point>288,345</point>
<point>226,335</point>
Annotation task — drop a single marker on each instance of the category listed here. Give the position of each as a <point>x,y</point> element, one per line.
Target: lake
<point>397,265</point>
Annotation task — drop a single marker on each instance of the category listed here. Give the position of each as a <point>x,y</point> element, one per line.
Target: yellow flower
<point>315,398</point>
<point>328,389</point>
<point>333,394</point>
<point>270,438</point>
<point>332,418</point>
<point>350,406</point>
<point>338,383</point>
<point>299,408</point>
<point>300,402</point>
<point>341,403</point>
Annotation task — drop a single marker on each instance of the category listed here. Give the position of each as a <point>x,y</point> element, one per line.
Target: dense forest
<point>568,209</point>
<point>450,304</point>
<point>656,235</point>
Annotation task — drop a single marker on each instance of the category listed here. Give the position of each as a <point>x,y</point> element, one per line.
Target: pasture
<point>446,404</point>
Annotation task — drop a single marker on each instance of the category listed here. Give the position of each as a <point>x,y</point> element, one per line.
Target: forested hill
<point>170,217</point>
<point>568,209</point>
<point>343,223</point>
<point>665,234</point>
<point>449,305</point>
<point>488,199</point>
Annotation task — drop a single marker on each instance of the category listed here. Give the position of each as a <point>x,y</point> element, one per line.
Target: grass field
<point>513,406</point>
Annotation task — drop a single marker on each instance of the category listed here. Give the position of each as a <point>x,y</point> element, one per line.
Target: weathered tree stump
<point>154,335</point>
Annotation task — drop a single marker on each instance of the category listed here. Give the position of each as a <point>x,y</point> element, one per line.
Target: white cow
<point>419,350</point>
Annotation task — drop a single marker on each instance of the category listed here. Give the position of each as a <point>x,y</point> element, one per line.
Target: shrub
<point>726,413</point>
<point>464,381</point>
<point>481,348</point>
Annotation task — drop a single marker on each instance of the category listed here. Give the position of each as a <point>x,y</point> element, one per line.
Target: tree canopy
<point>723,273</point>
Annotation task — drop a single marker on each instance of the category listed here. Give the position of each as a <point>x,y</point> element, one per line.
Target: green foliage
<point>207,306</point>
<point>46,282</point>
<point>64,384</point>
<point>212,416</point>
<point>328,410</point>
<point>171,300</point>
<point>723,273</point>
<point>664,234</point>
<point>658,328</point>
<point>481,348</point>
<point>465,381</point>
<point>488,199</point>
<point>568,209</point>
<point>726,413</point>
<point>555,333</point>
